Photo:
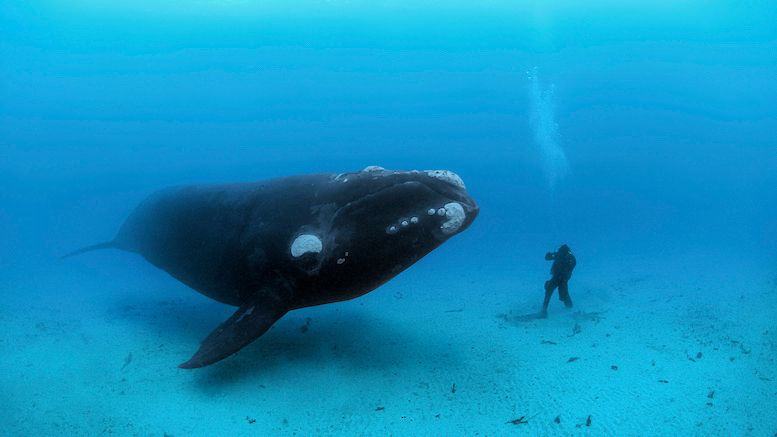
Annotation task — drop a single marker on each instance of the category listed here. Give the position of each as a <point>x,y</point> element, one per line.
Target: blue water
<point>640,133</point>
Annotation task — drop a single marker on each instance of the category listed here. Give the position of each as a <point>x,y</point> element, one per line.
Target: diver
<point>563,264</point>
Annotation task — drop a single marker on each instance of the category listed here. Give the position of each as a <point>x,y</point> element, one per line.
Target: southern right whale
<point>273,246</point>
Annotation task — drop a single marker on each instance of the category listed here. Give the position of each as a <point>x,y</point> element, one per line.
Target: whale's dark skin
<point>244,244</point>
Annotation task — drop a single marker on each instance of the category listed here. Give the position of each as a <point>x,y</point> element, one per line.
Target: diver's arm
<point>550,256</point>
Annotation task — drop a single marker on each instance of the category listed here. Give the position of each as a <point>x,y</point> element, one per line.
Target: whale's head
<point>383,221</point>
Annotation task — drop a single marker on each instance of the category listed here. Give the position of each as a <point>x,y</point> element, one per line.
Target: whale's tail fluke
<point>105,245</point>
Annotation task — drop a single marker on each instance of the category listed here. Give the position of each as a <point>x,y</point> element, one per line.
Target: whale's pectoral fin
<point>248,323</point>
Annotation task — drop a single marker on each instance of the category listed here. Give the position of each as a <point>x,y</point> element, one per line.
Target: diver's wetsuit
<point>563,264</point>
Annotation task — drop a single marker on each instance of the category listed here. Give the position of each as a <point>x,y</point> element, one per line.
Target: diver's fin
<point>105,245</point>
<point>249,322</point>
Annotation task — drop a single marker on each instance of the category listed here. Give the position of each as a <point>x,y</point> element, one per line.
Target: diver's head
<point>564,249</point>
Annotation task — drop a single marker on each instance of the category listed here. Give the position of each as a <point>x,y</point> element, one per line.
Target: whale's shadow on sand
<point>343,336</point>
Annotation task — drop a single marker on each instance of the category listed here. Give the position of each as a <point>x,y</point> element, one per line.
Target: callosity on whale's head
<point>385,221</point>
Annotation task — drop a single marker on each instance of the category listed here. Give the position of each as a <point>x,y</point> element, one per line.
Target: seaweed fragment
<point>519,421</point>
<point>127,361</point>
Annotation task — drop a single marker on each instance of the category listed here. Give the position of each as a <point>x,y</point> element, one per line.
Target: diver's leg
<point>563,293</point>
<point>549,287</point>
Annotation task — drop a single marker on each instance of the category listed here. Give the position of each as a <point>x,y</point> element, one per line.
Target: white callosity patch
<point>342,260</point>
<point>454,218</point>
<point>405,223</point>
<point>248,312</point>
<point>447,176</point>
<point>373,169</point>
<point>306,243</point>
<point>431,211</point>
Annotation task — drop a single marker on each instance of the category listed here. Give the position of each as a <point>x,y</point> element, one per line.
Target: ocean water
<point>640,133</point>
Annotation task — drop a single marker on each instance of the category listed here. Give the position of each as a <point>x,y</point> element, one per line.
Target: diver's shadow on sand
<point>302,341</point>
<point>518,317</point>
<point>514,318</point>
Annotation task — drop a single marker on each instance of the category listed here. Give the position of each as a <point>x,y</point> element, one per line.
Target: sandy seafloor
<point>656,345</point>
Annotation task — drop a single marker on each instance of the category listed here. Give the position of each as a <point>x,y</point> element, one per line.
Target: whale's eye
<point>306,243</point>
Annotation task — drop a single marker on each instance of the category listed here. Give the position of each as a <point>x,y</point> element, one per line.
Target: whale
<point>272,246</point>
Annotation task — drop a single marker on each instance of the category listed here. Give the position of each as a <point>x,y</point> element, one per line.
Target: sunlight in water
<point>546,135</point>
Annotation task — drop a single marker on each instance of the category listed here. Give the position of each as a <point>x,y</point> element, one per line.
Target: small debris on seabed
<point>380,408</point>
<point>663,381</point>
<point>587,422</point>
<point>614,367</point>
<point>304,328</point>
<point>453,388</point>
<point>557,419</point>
<point>697,357</point>
<point>459,310</point>
<point>127,361</point>
<point>548,342</point>
<point>250,420</point>
<point>572,359</point>
<point>711,394</point>
<point>519,421</point>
